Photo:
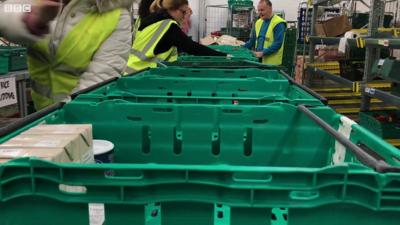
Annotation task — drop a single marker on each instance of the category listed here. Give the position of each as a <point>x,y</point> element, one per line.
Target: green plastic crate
<point>386,130</point>
<point>147,88</point>
<point>293,95</point>
<point>4,61</point>
<point>235,51</point>
<point>216,73</point>
<point>201,165</point>
<point>18,59</point>
<point>220,63</point>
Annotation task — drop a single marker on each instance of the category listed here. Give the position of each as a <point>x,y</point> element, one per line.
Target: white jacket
<point>110,59</point>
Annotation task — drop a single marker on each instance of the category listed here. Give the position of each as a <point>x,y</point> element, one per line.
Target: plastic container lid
<point>102,146</point>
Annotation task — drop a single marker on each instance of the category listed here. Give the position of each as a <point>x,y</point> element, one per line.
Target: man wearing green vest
<point>267,37</point>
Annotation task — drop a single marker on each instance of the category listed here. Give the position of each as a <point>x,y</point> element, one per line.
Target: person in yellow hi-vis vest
<point>159,37</point>
<point>268,35</point>
<point>88,42</point>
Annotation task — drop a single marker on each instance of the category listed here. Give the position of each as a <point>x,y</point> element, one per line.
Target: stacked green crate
<point>4,61</point>
<point>18,59</point>
<point>289,51</point>
<point>300,49</point>
<point>12,59</point>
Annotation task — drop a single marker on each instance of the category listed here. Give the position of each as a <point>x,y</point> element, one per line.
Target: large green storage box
<point>204,165</point>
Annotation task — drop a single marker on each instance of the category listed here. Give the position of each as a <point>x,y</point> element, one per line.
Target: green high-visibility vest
<point>55,73</point>
<point>142,53</point>
<point>275,58</point>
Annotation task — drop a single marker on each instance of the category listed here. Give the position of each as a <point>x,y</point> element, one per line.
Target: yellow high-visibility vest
<point>55,73</point>
<point>142,53</point>
<point>275,58</point>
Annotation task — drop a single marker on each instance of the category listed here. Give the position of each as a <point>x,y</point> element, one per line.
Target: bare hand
<point>45,11</point>
<point>258,54</point>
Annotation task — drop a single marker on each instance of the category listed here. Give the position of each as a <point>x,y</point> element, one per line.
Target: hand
<point>258,54</point>
<point>46,11</point>
<point>38,19</point>
<point>229,56</point>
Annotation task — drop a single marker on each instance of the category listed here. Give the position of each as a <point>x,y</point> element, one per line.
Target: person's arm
<point>176,37</point>
<point>252,41</point>
<point>110,59</point>
<point>279,36</point>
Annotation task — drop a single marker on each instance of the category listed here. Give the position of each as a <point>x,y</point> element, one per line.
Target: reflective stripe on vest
<point>56,72</point>
<point>142,52</point>
<point>275,58</point>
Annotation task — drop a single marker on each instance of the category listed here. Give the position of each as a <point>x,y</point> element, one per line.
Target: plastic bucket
<point>103,151</point>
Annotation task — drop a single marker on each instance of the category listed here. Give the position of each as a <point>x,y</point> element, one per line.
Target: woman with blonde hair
<point>159,37</point>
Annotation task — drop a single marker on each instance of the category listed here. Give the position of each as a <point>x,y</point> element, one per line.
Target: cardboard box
<point>74,145</point>
<point>333,27</point>
<point>52,154</point>
<point>85,130</point>
<point>319,30</point>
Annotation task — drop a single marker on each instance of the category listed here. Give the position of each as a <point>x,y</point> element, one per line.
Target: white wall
<point>194,4</point>
<point>289,6</point>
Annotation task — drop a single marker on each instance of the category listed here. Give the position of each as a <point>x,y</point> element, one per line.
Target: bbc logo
<point>17,8</point>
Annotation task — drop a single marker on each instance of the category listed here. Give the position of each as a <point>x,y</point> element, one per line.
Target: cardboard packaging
<point>333,27</point>
<point>85,130</point>
<point>77,149</point>
<point>52,154</point>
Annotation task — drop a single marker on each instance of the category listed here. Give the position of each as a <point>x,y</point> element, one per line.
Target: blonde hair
<point>159,5</point>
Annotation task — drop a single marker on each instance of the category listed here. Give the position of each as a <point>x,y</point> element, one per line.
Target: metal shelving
<point>372,43</point>
<point>367,42</point>
<point>373,47</point>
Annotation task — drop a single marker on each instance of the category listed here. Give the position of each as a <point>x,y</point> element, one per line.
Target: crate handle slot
<point>252,177</point>
<point>361,154</point>
<point>304,195</point>
<point>137,175</point>
<point>72,189</point>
